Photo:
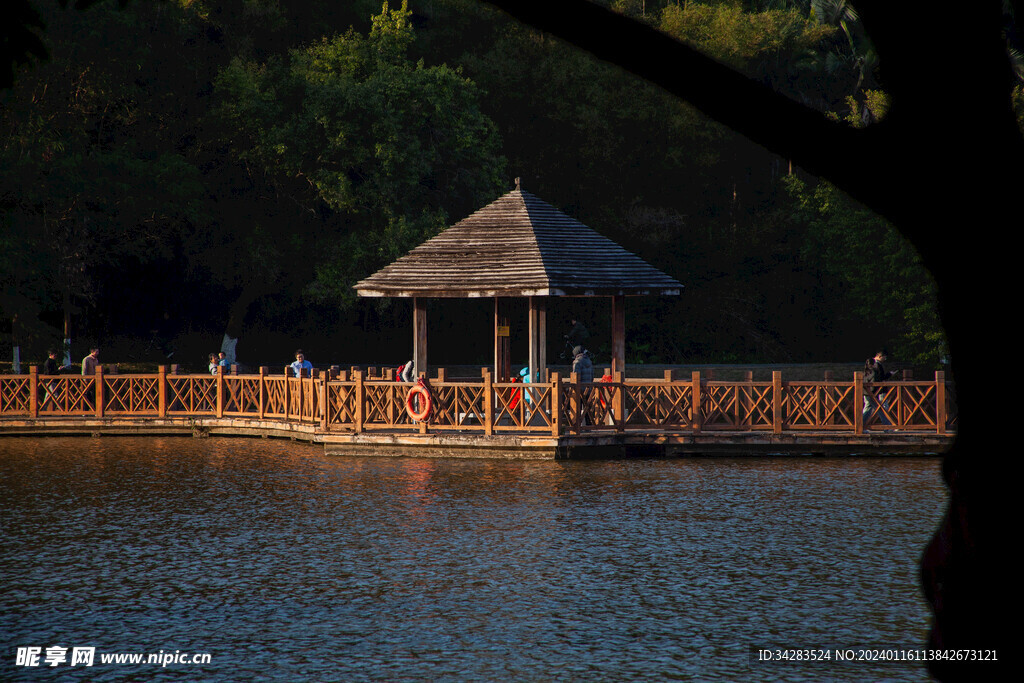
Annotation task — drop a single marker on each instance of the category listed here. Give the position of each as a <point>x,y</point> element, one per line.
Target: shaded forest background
<point>172,171</point>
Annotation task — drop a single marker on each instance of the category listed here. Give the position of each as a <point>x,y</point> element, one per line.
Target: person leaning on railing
<point>582,365</point>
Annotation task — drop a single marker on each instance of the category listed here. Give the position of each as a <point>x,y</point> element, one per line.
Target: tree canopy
<point>246,162</point>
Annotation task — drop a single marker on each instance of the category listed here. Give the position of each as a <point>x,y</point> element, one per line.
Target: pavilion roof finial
<point>517,182</point>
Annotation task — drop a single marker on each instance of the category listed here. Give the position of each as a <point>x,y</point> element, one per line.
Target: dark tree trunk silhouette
<point>944,167</point>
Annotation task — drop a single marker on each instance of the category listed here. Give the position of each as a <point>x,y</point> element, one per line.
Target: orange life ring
<point>426,403</point>
<point>600,395</point>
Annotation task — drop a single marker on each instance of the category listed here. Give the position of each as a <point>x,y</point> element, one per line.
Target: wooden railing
<point>357,402</point>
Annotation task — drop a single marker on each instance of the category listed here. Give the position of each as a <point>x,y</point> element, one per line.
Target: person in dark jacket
<point>874,371</point>
<point>51,367</point>
<point>581,364</point>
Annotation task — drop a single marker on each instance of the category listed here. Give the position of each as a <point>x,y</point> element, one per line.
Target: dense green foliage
<point>175,165</point>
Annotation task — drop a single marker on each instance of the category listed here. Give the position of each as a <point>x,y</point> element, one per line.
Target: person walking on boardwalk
<point>301,364</point>
<point>90,362</point>
<point>874,371</point>
<point>51,367</point>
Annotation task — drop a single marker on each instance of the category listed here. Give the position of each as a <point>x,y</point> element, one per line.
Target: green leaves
<point>384,148</point>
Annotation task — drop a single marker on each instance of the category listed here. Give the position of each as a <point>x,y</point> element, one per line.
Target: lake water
<point>283,564</point>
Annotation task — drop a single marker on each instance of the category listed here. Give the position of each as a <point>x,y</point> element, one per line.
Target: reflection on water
<point>286,564</point>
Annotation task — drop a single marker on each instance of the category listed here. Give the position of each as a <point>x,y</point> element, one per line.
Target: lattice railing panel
<point>341,404</point>
<point>736,406</point>
<point>457,405</point>
<point>663,405</point>
<point>274,393</point>
<point>384,404</point>
<point>15,394</point>
<point>192,395</point>
<point>131,395</point>
<point>67,396</point>
<point>901,406</point>
<point>597,403</point>
<point>241,395</point>
<point>814,405</point>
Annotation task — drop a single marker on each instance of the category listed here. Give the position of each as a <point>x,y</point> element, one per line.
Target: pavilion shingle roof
<point>518,245</point>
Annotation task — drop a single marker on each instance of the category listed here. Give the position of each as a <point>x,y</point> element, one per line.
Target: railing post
<point>33,391</point>
<point>619,401</point>
<point>220,391</point>
<point>777,401</point>
<point>357,375</point>
<point>324,421</point>
<point>161,400</point>
<point>695,416</point>
<point>263,392</point>
<point>576,398</point>
<point>423,422</point>
<point>940,402</point>
<point>662,406</point>
<point>98,378</point>
<point>488,402</point>
<point>827,391</point>
<point>858,402</point>
<point>287,395</point>
<point>744,404</point>
<point>556,404</point>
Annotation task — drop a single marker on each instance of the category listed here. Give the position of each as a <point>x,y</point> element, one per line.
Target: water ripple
<point>287,565</point>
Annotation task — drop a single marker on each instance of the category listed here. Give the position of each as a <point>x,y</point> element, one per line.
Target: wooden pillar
<point>538,358</point>
<point>542,332</point>
<point>220,391</point>
<point>533,325</point>
<point>33,391</point>
<point>776,401</point>
<point>940,402</point>
<point>502,344</point>
<point>556,404</point>
<point>695,416</point>
<point>488,402</point>
<point>419,335</point>
<point>99,390</point>
<point>858,402</point>
<point>161,401</point>
<point>574,403</point>
<point>744,402</point>
<point>324,421</point>
<point>263,391</point>
<point>619,400</point>
<point>358,377</point>
<point>619,334</point>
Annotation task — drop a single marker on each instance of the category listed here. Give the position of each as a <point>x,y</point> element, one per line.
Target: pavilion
<point>518,246</point>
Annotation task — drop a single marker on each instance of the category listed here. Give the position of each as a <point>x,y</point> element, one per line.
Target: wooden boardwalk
<point>366,413</point>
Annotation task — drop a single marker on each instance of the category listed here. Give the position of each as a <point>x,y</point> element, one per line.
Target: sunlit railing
<point>357,402</point>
